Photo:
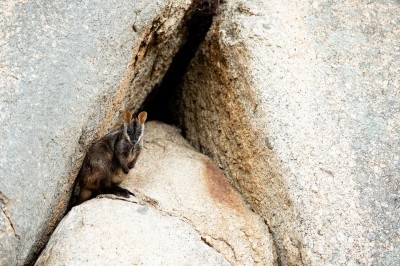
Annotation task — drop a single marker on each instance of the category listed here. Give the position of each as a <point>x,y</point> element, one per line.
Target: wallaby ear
<point>142,117</point>
<point>127,117</point>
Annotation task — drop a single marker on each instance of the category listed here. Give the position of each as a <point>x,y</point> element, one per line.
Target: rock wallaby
<point>108,161</point>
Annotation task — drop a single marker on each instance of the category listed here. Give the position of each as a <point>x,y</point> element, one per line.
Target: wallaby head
<point>134,127</point>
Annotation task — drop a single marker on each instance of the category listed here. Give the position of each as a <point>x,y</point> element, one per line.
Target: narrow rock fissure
<point>273,237</point>
<point>3,203</point>
<point>159,103</point>
<point>206,242</point>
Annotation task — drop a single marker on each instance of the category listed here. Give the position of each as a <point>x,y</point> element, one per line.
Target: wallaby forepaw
<point>124,193</point>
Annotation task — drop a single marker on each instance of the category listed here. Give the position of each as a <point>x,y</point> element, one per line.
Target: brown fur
<point>108,161</point>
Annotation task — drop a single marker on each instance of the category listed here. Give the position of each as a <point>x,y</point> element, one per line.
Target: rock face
<point>67,70</point>
<point>115,232</point>
<point>194,216</point>
<point>299,104</point>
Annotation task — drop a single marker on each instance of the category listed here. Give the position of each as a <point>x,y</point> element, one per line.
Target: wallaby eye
<point>129,131</point>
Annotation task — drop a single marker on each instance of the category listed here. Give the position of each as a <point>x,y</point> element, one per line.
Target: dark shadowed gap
<point>158,103</point>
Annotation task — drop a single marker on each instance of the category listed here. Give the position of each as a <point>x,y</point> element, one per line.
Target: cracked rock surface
<point>298,103</point>
<point>193,217</point>
<point>67,70</point>
<point>116,232</point>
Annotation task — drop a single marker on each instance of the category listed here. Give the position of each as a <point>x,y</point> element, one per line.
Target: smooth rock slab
<point>115,232</point>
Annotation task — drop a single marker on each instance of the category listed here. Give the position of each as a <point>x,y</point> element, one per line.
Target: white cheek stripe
<point>141,135</point>
<point>126,133</point>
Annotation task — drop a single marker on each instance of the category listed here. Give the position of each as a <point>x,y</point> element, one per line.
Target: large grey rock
<point>115,232</point>
<point>299,103</point>
<point>67,70</point>
<point>188,185</point>
<point>191,216</point>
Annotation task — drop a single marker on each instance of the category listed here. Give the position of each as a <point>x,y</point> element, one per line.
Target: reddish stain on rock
<point>218,187</point>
